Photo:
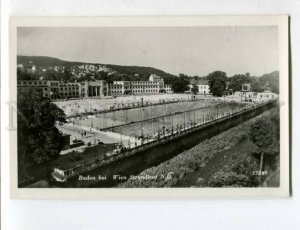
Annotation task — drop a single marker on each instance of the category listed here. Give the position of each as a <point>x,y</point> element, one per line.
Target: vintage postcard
<point>144,107</point>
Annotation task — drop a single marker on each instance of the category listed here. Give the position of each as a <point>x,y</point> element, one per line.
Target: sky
<point>188,50</point>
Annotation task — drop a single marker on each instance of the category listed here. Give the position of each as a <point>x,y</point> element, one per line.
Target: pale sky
<point>189,50</point>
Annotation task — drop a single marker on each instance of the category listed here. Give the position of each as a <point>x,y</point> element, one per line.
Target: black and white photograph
<point>197,104</point>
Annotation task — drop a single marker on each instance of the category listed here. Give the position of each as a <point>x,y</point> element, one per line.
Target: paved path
<point>94,135</point>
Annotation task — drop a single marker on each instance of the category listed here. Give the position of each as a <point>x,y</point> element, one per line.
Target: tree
<point>39,140</point>
<point>256,85</point>
<point>236,81</point>
<point>22,74</point>
<point>180,83</point>
<point>67,75</point>
<point>271,79</point>
<point>194,89</point>
<point>263,133</point>
<point>217,83</point>
<point>240,174</point>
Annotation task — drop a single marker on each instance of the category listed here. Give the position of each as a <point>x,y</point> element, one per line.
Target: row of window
<point>73,88</point>
<point>152,87</point>
<point>40,83</point>
<point>143,83</point>
<point>203,87</point>
<point>32,83</point>
<point>114,87</point>
<point>137,84</point>
<point>45,83</point>
<point>141,91</point>
<point>69,94</point>
<point>68,85</point>
<point>267,96</point>
<point>134,87</point>
<point>63,94</point>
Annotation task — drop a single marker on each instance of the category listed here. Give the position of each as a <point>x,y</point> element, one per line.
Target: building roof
<point>199,82</point>
<point>154,77</point>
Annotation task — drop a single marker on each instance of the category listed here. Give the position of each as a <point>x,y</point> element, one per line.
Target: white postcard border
<point>134,193</point>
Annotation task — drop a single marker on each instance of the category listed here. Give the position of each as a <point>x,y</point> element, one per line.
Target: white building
<point>154,78</point>
<point>168,88</point>
<point>33,68</point>
<point>154,85</point>
<point>96,88</point>
<point>203,87</point>
<point>255,96</point>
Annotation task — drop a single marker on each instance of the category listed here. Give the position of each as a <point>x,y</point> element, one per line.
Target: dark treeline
<point>220,84</point>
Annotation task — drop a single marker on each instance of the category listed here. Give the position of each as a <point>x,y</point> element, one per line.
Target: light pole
<point>203,114</point>
<point>184,120</point>
<point>103,121</point>
<point>172,121</point>
<point>142,141</point>
<point>194,117</point>
<point>121,138</point>
<point>158,127</point>
<point>100,118</point>
<point>151,117</point>
<point>142,127</point>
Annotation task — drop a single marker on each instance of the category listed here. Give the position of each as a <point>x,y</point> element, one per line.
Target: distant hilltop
<point>40,61</point>
<point>45,62</point>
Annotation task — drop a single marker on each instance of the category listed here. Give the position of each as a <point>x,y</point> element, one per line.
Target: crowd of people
<point>73,107</point>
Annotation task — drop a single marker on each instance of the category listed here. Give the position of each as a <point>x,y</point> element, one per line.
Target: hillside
<point>138,69</point>
<point>43,61</point>
<point>40,61</point>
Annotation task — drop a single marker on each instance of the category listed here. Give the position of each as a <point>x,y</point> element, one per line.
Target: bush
<point>238,175</point>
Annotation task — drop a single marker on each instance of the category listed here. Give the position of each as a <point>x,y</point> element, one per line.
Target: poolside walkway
<point>94,136</point>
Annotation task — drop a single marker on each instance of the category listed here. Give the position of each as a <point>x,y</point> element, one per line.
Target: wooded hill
<point>43,61</point>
